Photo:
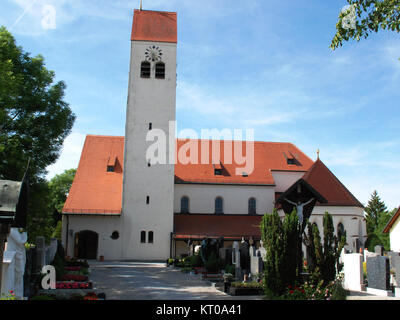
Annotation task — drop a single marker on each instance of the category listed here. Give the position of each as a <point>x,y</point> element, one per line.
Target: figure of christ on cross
<point>300,206</point>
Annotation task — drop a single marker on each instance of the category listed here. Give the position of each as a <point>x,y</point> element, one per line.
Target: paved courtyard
<point>152,281</point>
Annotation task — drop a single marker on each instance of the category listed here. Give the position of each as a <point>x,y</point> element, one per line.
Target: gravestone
<point>353,271</point>
<point>379,250</point>
<point>40,252</point>
<point>392,255</point>
<point>236,259</point>
<point>244,257</point>
<point>378,273</point>
<point>396,267</point>
<point>256,262</point>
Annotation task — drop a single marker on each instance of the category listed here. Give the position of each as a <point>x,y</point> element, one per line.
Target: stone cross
<point>40,252</point>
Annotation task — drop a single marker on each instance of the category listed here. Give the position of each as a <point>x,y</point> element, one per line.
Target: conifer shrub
<point>283,260</point>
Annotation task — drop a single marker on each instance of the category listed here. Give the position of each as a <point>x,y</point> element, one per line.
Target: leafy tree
<point>34,118</point>
<point>370,16</point>
<point>383,220</point>
<point>377,237</point>
<point>34,121</point>
<point>59,188</point>
<point>373,210</point>
<point>40,219</point>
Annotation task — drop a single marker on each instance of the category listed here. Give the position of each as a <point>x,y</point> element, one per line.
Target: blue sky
<point>255,64</point>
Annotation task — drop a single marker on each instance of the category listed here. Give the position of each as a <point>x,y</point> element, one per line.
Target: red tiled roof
<point>215,226</point>
<point>268,156</point>
<point>94,190</point>
<point>154,26</point>
<point>392,221</point>
<point>326,183</point>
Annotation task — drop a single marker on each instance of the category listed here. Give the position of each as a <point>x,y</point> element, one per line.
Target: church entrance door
<point>87,245</point>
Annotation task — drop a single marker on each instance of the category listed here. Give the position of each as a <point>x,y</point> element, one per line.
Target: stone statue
<point>300,206</point>
<point>16,242</point>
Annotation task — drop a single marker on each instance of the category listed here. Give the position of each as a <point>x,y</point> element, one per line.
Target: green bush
<point>230,268</point>
<point>193,261</point>
<point>212,264</point>
<point>252,285</point>
<point>338,292</point>
<point>57,231</point>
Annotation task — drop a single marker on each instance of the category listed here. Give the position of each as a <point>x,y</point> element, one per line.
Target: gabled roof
<point>215,226</point>
<point>94,190</point>
<point>392,221</point>
<point>157,26</point>
<point>326,183</point>
<point>268,156</point>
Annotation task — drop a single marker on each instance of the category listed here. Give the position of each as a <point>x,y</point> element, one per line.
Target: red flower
<point>291,291</point>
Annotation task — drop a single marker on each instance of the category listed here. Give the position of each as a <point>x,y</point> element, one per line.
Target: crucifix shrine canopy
<point>301,191</point>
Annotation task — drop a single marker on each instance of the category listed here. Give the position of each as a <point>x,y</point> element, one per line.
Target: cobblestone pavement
<point>152,281</point>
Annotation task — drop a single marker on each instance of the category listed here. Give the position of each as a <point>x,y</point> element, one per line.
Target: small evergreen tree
<point>282,240</point>
<point>271,233</point>
<point>373,210</point>
<point>324,258</point>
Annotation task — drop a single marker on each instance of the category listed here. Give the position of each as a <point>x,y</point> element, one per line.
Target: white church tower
<point>148,188</point>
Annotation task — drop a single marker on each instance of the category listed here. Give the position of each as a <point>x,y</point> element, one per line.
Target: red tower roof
<point>157,26</point>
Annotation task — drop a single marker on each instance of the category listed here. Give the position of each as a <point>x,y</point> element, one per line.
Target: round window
<point>115,235</point>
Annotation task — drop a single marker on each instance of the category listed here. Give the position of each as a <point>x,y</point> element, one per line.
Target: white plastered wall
<point>202,198</point>
<point>104,226</point>
<point>395,236</point>
<point>352,219</point>
<point>285,179</point>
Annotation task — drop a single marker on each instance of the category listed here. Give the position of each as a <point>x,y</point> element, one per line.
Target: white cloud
<point>70,155</point>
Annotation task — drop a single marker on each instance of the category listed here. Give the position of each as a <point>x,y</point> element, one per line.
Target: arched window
<point>143,237</point>
<point>145,69</point>
<point>160,70</point>
<point>340,231</point>
<point>219,205</point>
<point>184,204</point>
<point>252,206</point>
<point>151,237</point>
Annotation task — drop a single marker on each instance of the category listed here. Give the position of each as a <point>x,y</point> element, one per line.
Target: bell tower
<point>148,188</point>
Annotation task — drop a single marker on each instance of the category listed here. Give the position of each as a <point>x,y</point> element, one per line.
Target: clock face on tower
<point>153,53</point>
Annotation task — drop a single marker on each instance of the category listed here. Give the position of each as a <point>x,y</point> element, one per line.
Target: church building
<point>123,205</point>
